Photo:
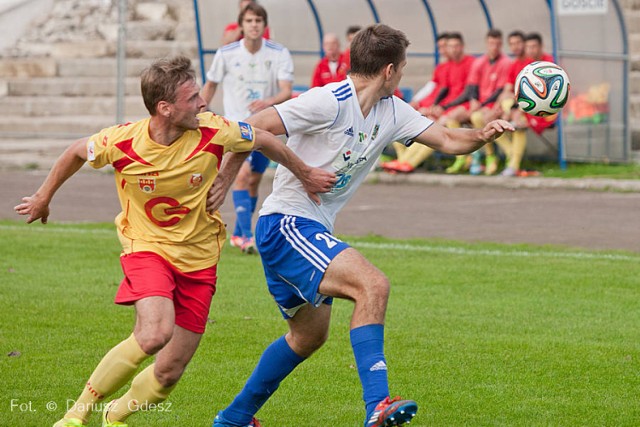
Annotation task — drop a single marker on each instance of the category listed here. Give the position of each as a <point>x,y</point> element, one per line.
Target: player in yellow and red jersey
<point>164,167</point>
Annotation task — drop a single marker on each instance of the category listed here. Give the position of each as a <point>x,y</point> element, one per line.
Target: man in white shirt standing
<point>255,74</point>
<point>341,127</point>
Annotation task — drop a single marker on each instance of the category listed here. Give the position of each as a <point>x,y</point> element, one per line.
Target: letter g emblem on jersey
<point>174,211</point>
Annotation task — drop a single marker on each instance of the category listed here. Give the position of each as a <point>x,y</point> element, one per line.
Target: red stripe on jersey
<point>205,145</point>
<point>122,163</point>
<point>216,150</point>
<point>126,147</point>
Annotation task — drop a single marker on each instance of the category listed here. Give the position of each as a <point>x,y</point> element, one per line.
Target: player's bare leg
<point>352,277</point>
<point>153,385</point>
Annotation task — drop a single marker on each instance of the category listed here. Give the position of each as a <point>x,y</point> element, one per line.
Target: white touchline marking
<point>381,246</point>
<point>494,252</point>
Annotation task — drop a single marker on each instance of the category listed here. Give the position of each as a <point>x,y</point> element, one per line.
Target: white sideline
<point>381,246</point>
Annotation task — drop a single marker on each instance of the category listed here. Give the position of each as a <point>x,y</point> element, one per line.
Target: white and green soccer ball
<point>542,88</point>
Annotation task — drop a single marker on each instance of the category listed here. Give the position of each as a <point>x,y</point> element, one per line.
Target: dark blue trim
<point>374,11</point>
<point>562,161</point>
<point>434,30</point>
<point>199,37</point>
<point>316,16</point>
<point>487,15</point>
<point>625,79</point>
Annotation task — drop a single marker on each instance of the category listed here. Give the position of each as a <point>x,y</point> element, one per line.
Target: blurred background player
<point>426,95</point>
<point>515,145</point>
<point>255,73</point>
<point>350,34</point>
<point>483,88</point>
<point>233,31</point>
<point>331,68</point>
<point>450,77</point>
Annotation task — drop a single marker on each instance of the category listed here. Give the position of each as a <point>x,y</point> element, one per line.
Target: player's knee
<point>306,344</point>
<point>170,374</point>
<point>243,179</point>
<point>376,287</point>
<point>153,341</point>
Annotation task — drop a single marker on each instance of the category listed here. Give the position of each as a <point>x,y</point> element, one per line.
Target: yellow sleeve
<point>236,137</point>
<point>99,148</point>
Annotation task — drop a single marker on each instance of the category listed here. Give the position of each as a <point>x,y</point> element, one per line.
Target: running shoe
<point>237,241</point>
<point>69,422</point>
<point>221,422</point>
<point>249,246</point>
<point>105,421</point>
<point>392,412</point>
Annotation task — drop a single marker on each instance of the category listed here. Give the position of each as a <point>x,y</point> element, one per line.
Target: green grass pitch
<point>478,334</point>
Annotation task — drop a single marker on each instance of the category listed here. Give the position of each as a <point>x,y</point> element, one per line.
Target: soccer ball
<point>542,88</point>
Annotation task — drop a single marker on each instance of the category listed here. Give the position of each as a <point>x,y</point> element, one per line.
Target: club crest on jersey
<point>148,185</point>
<point>246,132</point>
<point>374,134</point>
<point>362,136</point>
<point>267,64</point>
<point>196,180</point>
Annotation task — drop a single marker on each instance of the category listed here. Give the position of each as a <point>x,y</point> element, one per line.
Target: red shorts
<point>147,274</point>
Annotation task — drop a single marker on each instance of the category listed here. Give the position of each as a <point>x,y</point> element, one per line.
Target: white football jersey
<point>326,129</point>
<point>247,77</point>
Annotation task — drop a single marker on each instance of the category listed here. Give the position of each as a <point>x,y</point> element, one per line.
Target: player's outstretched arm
<point>314,180</point>
<point>36,206</point>
<point>462,141</point>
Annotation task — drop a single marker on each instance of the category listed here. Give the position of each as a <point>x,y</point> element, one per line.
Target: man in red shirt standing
<point>331,68</point>
<point>351,33</point>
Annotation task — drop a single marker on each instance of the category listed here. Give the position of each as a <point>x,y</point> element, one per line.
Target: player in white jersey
<point>255,73</point>
<point>342,128</point>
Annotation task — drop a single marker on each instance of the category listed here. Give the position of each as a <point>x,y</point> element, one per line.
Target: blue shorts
<point>295,254</point>
<point>258,162</point>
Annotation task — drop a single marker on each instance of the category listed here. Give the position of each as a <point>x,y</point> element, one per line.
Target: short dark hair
<point>255,8</point>
<point>352,29</point>
<point>516,33</point>
<point>456,35</point>
<point>442,35</point>
<point>375,47</point>
<point>533,36</point>
<point>494,33</point>
<point>160,81</point>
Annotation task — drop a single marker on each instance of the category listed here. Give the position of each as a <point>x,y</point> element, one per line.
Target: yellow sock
<point>453,124</point>
<point>113,371</point>
<point>504,142</point>
<point>477,120</point>
<point>489,150</point>
<point>519,146</point>
<point>416,154</point>
<point>145,390</point>
<point>400,149</point>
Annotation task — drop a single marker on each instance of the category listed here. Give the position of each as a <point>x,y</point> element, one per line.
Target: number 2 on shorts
<point>330,240</point>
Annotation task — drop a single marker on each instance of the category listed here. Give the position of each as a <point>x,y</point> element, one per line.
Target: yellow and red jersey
<point>163,189</point>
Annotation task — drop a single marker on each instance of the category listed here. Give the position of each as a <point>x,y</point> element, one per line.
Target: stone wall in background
<point>92,25</point>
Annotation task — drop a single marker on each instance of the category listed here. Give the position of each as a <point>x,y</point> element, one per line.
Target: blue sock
<point>277,361</point>
<point>254,202</point>
<point>242,202</point>
<point>368,348</point>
